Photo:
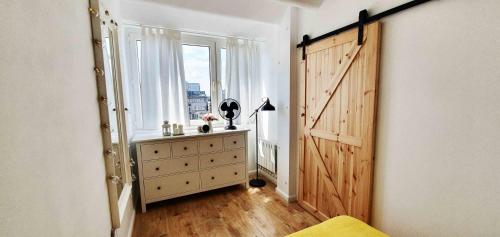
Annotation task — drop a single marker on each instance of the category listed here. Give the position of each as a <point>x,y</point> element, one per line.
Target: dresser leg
<point>143,207</point>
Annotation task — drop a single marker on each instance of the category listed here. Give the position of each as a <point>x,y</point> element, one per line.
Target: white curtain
<point>243,75</point>
<point>163,91</point>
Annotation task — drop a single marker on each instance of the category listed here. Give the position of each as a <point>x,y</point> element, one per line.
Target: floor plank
<point>231,211</point>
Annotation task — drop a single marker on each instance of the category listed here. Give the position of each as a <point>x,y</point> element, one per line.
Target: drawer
<point>184,148</point>
<point>234,142</point>
<point>170,185</point>
<point>169,166</point>
<point>183,164</point>
<point>155,151</point>
<point>155,168</point>
<point>210,145</point>
<point>222,175</point>
<point>223,158</point>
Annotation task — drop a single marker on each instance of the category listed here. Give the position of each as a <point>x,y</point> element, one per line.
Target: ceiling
<point>303,3</point>
<point>270,11</point>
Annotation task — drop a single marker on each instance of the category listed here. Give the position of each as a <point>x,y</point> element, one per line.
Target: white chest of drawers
<point>171,167</point>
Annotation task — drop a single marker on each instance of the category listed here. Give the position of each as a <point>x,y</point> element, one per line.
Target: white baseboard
<point>286,197</point>
<point>281,194</point>
<point>251,172</point>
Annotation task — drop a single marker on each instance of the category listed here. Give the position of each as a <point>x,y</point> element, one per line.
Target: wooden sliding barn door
<point>338,103</point>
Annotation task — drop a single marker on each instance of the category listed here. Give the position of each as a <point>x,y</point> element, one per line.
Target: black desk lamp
<point>266,106</point>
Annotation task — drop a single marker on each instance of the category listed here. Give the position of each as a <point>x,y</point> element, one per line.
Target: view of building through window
<point>197,71</point>
<point>198,101</point>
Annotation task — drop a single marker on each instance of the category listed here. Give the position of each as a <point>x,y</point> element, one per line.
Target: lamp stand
<point>257,182</point>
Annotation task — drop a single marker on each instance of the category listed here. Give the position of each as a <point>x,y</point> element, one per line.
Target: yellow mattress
<point>340,226</point>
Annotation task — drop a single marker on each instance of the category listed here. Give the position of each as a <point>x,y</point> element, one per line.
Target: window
<point>198,80</point>
<point>138,45</point>
<point>222,72</point>
<point>204,69</point>
<point>201,68</point>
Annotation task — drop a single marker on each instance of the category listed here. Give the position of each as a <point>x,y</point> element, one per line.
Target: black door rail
<point>363,19</point>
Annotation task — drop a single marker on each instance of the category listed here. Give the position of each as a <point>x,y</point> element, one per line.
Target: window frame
<point>192,40</point>
<point>215,46</point>
<point>132,68</point>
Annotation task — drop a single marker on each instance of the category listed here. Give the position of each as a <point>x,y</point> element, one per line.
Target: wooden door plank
<point>318,81</point>
<point>307,174</point>
<point>332,42</point>
<point>351,105</point>
<point>310,76</point>
<point>336,96</point>
<point>301,74</point>
<point>344,139</point>
<point>324,173</point>
<point>359,93</point>
<point>325,80</point>
<point>313,191</point>
<point>328,93</point>
<point>365,160</point>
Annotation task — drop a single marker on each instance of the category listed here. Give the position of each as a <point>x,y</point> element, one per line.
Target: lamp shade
<point>268,106</point>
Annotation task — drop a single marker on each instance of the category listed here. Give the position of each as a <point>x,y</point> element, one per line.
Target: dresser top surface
<point>157,136</point>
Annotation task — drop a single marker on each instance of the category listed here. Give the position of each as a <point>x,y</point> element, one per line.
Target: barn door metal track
<point>363,19</point>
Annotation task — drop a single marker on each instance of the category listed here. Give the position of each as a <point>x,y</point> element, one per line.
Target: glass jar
<point>166,128</point>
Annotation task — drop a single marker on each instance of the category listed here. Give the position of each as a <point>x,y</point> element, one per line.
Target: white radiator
<point>268,156</point>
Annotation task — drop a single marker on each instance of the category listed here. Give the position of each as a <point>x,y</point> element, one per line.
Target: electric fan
<point>229,109</point>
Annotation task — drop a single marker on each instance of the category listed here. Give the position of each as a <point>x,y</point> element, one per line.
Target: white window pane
<point>138,45</point>
<point>197,72</point>
<point>223,72</point>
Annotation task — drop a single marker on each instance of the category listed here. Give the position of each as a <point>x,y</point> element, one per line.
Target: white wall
<point>287,162</point>
<point>52,168</point>
<point>437,152</point>
<point>151,13</point>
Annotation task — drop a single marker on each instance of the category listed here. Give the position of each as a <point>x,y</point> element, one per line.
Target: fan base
<point>230,127</point>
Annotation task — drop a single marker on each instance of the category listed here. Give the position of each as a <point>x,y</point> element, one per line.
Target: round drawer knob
<point>213,177</point>
<point>185,148</point>
<point>157,168</point>
<point>235,173</point>
<point>187,182</point>
<point>211,145</point>
<point>186,164</point>
<point>158,187</point>
<point>156,151</point>
<point>234,142</point>
<point>212,160</point>
<point>235,157</point>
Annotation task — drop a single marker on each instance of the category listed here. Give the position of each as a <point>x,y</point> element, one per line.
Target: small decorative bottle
<point>175,130</point>
<point>209,122</point>
<point>166,128</point>
<point>180,128</point>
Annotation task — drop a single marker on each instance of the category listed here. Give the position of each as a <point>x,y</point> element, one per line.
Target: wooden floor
<point>232,211</point>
